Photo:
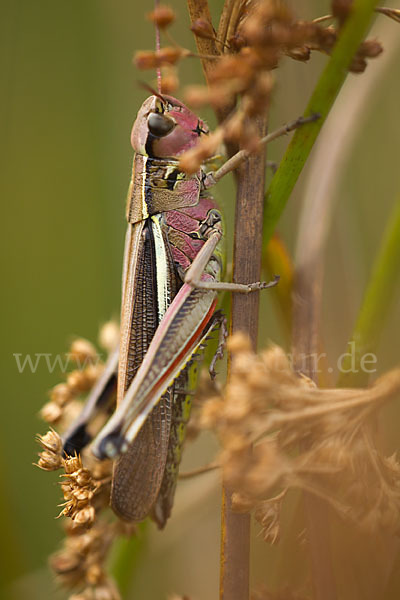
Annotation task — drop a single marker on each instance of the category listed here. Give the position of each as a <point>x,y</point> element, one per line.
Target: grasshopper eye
<point>159,125</point>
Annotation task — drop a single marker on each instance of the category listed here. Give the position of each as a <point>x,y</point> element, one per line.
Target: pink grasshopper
<point>172,271</point>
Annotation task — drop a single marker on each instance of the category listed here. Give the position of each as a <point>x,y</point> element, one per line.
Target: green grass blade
<point>125,558</point>
<point>376,303</point>
<point>322,99</point>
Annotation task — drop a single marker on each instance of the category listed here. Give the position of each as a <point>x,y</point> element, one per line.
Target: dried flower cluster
<point>248,46</point>
<point>90,529</point>
<point>64,404</point>
<point>278,431</point>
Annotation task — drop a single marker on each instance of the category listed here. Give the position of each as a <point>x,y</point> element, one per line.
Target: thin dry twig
<point>235,547</point>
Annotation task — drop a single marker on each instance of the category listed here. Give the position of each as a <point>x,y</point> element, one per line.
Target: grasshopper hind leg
<point>182,391</point>
<point>100,400</point>
<point>184,388</point>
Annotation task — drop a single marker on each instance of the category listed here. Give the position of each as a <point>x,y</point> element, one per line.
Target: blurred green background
<point>69,96</point>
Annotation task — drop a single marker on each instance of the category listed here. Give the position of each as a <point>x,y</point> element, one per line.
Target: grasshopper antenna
<point>154,92</point>
<point>158,46</point>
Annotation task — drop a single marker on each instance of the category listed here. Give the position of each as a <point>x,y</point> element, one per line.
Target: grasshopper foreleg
<point>195,272</point>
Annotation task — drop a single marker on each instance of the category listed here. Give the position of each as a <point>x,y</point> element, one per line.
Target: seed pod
<point>85,516</point>
<point>370,49</point>
<point>82,350</point>
<point>203,29</point>
<point>61,394</point>
<point>48,461</point>
<point>162,16</point>
<point>169,55</point>
<point>51,441</point>
<point>51,412</point>
<point>145,60</point>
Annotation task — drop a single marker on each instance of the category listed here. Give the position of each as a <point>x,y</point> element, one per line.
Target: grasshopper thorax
<point>165,128</point>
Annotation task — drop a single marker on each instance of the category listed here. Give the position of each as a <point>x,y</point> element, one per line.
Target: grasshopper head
<point>165,128</point>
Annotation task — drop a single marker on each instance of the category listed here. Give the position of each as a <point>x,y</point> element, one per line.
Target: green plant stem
<point>124,558</point>
<point>322,99</point>
<point>376,303</point>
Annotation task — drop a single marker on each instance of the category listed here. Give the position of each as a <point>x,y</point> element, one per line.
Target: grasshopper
<point>173,266</point>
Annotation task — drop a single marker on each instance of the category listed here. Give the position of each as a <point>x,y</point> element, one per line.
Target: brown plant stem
<point>206,47</point>
<point>235,542</point>
<point>199,9</point>
<point>250,178</point>
<point>229,19</point>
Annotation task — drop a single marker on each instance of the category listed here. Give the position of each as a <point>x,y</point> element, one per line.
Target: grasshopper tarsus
<point>220,319</point>
<point>263,285</point>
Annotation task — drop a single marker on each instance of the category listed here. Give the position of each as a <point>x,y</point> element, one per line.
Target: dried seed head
<point>237,70</point>
<point>234,128</point>
<point>210,413</point>
<point>242,503</point>
<point>196,95</point>
<point>109,336</point>
<point>191,161</point>
<point>85,516</point>
<point>324,39</point>
<point>162,16</point>
<point>169,80</point>
<point>86,490</point>
<point>81,478</point>
<point>82,351</point>
<point>105,591</point>
<point>256,100</point>
<point>370,49</point>
<point>266,24</point>
<point>80,381</point>
<point>82,497</point>
<point>199,95</point>
<point>239,343</point>
<point>203,29</point>
<point>268,407</point>
<point>50,441</point>
<point>68,568</point>
<point>268,515</point>
<point>358,64</point>
<point>61,394</point>
<point>94,574</point>
<point>302,54</point>
<point>341,9</point>
<point>51,412</point>
<point>49,461</point>
<point>72,464</point>
<point>169,55</point>
<point>145,60</point>
<point>237,41</point>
